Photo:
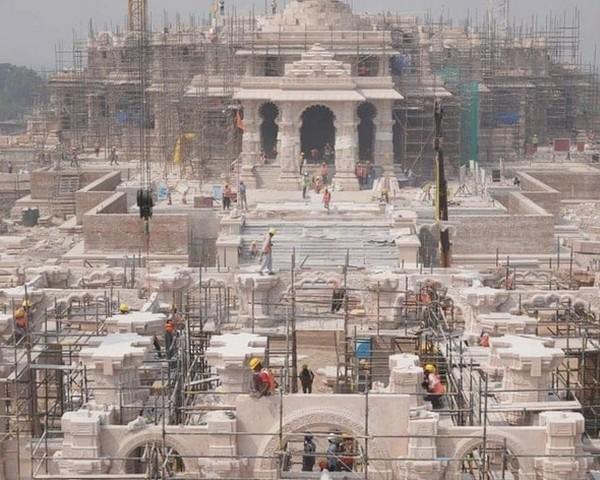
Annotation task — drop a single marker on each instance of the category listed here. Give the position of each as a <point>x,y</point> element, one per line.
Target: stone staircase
<point>64,195</point>
<point>267,175</point>
<point>323,243</point>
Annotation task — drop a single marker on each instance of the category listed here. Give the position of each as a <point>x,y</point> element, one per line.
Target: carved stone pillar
<point>423,445</point>
<point>384,137</point>
<point>289,178</point>
<point>563,438</point>
<point>250,143</point>
<point>346,151</point>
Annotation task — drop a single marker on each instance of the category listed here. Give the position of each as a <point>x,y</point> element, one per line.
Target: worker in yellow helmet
<point>267,253</point>
<point>263,381</point>
<point>124,308</point>
<point>434,386</point>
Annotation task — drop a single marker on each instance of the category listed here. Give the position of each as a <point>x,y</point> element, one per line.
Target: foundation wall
<point>577,185</point>
<point>95,193</point>
<point>43,182</point>
<point>111,228</point>
<point>527,229</point>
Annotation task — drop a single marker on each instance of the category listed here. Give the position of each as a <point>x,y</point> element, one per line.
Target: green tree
<point>19,87</point>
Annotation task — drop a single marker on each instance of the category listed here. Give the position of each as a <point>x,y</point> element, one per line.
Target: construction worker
<point>434,386</point>
<point>484,340</point>
<point>253,250</point>
<point>97,149</point>
<point>332,452</point>
<point>124,309</point>
<point>242,201</point>
<point>226,197</point>
<point>267,253</point>
<point>346,462</point>
<point>308,459</point>
<point>326,199</point>
<point>10,167</point>
<point>114,157</point>
<point>324,173</point>
<point>20,324</point>
<point>169,334</point>
<point>307,378</point>
<point>263,382</point>
<point>305,184</point>
<point>74,158</point>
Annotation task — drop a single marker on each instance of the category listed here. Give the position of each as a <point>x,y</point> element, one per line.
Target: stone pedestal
<point>229,354</point>
<point>228,250</point>
<point>501,323</point>
<point>527,363</point>
<point>222,447</point>
<point>114,363</point>
<point>480,300</point>
<point>255,293</point>
<point>563,438</point>
<point>81,447</point>
<point>423,426</point>
<point>406,377</point>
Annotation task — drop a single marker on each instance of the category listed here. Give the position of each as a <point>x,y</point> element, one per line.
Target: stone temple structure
<point>134,361</point>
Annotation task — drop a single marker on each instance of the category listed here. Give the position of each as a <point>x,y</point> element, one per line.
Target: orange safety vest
<point>266,376</point>
<point>22,322</point>
<point>436,386</point>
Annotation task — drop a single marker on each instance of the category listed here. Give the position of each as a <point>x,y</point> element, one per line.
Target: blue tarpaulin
<point>363,348</point>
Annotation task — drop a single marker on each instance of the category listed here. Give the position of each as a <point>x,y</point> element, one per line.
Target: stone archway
<point>519,455</point>
<point>317,130</point>
<point>269,130</point>
<point>131,443</point>
<point>314,420</point>
<point>366,113</point>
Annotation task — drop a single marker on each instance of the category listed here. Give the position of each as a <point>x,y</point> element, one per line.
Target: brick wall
<point>95,193</point>
<point>581,185</point>
<point>114,230</point>
<point>510,234</point>
<point>43,182</point>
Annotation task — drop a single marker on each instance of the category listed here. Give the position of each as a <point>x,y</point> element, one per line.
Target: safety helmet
<point>272,231</point>
<point>255,362</point>
<point>304,366</point>
<point>253,242</point>
<point>124,308</point>
<point>19,313</point>
<point>26,304</point>
<point>430,368</point>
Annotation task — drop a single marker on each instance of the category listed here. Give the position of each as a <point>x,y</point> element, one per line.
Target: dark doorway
<point>428,251</point>
<point>366,132</point>
<point>316,133</point>
<point>269,129</point>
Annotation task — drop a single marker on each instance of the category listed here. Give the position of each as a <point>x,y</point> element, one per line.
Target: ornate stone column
<point>563,438</point>
<point>346,151</point>
<point>406,377</point>
<point>289,178</point>
<point>255,293</point>
<point>384,137</point>
<point>528,363</point>
<point>424,426</point>
<point>250,143</point>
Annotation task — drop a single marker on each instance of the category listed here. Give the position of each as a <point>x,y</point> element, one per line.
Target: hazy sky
<point>30,29</point>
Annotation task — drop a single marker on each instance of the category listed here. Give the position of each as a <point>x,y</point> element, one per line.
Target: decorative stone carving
<point>257,289</point>
<point>563,438</point>
<point>423,446</point>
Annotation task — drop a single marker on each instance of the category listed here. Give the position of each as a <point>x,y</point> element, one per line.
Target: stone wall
<point>43,182</point>
<point>578,184</point>
<point>111,228</point>
<point>95,193</point>
<point>526,229</point>
<point>537,191</point>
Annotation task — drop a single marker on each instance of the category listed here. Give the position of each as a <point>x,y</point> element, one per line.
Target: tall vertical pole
<point>294,376</point>
<point>441,196</point>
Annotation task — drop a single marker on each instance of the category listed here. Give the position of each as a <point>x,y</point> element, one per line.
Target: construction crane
<point>441,191</point>
<point>138,32</point>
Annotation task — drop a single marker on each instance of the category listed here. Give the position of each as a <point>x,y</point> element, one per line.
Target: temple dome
<point>315,15</point>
